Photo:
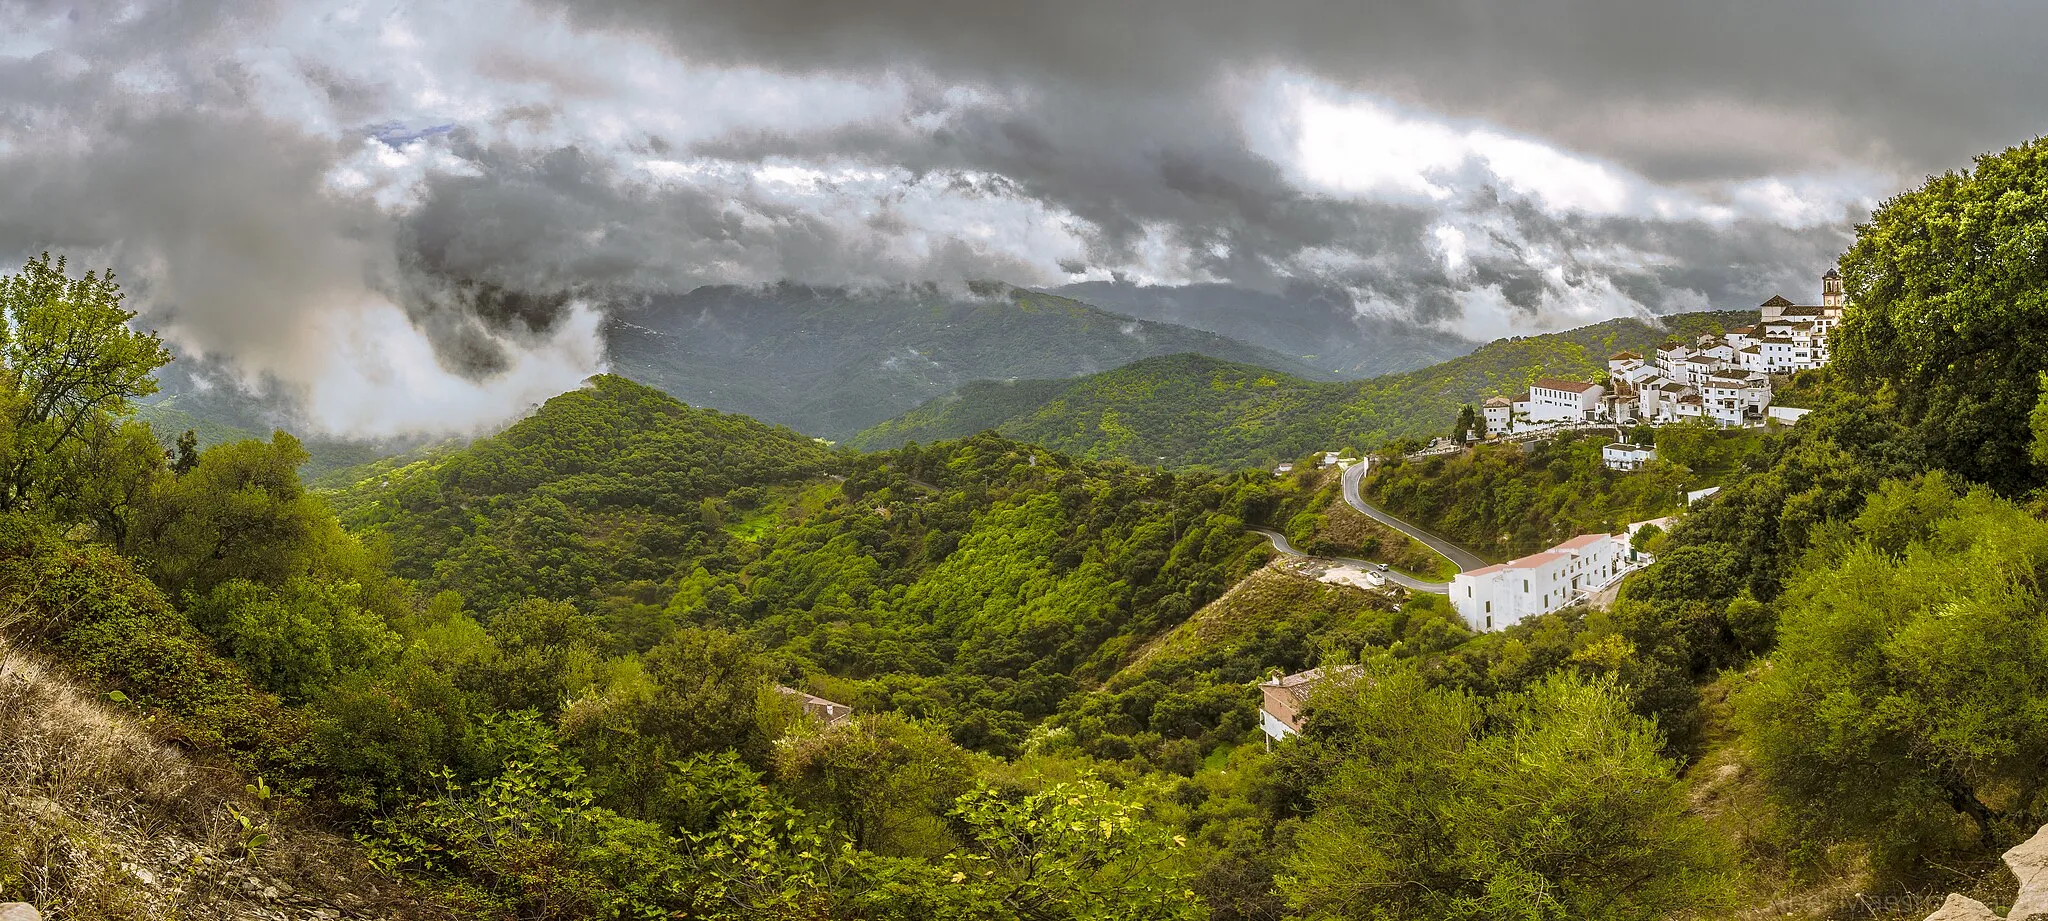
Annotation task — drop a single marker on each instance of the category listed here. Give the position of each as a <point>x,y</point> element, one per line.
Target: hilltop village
<point>1722,379</point>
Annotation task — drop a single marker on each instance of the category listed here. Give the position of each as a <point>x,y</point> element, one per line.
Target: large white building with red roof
<point>1502,595</point>
<point>1554,400</point>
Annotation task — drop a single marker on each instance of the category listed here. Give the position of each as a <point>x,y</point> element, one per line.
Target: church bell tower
<point>1831,289</point>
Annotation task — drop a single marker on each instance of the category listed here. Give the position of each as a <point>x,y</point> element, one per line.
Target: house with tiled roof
<point>1499,414</point>
<point>1499,596</point>
<point>1554,399</point>
<point>817,708</point>
<point>1282,698</point>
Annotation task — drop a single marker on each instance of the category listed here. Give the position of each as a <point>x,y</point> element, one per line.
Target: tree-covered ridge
<point>973,583</point>
<point>976,406</point>
<point>1506,501</point>
<point>599,491</point>
<point>832,362</point>
<point>1196,411</point>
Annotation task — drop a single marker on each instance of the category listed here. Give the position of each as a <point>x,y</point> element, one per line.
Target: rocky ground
<point>100,821</point>
<point>2029,863</point>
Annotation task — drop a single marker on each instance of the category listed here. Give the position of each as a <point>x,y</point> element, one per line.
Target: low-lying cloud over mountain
<point>411,216</point>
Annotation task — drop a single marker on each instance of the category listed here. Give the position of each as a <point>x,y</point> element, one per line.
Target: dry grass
<point>100,821</point>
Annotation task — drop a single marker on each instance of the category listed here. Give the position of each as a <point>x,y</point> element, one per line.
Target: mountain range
<point>1321,327</point>
<point>1194,410</point>
<point>884,367</point>
<point>831,362</point>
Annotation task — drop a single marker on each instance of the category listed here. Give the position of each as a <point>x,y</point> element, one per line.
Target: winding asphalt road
<point>1405,581</point>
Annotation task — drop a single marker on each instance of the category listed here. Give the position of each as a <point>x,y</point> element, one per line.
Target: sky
<point>412,217</point>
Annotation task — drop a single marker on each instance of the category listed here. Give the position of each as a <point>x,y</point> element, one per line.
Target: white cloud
<point>379,377</point>
<point>1354,144</point>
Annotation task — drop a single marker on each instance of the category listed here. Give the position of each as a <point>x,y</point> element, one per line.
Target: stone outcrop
<point>2029,863</point>
<point>1963,908</point>
<point>19,911</point>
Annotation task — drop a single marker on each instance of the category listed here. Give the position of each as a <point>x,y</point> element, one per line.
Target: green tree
<point>2037,423</point>
<point>240,513</point>
<point>1949,307</point>
<point>187,453</point>
<point>1468,422</point>
<point>543,650</point>
<point>1071,851</point>
<point>296,638</point>
<point>68,363</point>
<point>885,782</point>
<point>109,476</point>
<point>1550,804</point>
<point>1908,696</point>
<point>1690,443</point>
<point>698,691</point>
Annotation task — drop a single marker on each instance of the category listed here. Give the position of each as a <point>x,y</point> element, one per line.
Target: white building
<point>1793,337</point>
<point>1499,413</point>
<point>1735,397</point>
<point>1554,400</point>
<point>1725,379</point>
<point>1505,594</point>
<point>1619,456</point>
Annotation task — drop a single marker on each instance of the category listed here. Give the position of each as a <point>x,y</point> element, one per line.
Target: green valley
<point>631,658</point>
<point>1195,411</point>
<point>832,362</point>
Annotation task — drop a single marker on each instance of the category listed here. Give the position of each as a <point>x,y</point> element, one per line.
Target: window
<point>1525,585</point>
<point>1489,622</point>
<point>1489,607</point>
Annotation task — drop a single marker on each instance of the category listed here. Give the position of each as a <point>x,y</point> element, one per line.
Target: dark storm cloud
<point>567,220</point>
<point>1175,165</point>
<point>221,154</point>
<point>1675,89</point>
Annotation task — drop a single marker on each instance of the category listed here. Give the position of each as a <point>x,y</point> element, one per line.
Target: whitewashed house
<point>1500,596</point>
<point>1621,456</point>
<point>1555,400</point>
<point>1499,413</point>
<point>1732,398</point>
<point>1621,363</point>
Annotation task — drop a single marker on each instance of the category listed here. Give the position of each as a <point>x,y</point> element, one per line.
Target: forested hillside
<point>831,362</point>
<point>537,677</point>
<point>1320,326</point>
<point>1195,411</point>
<point>1511,500</point>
